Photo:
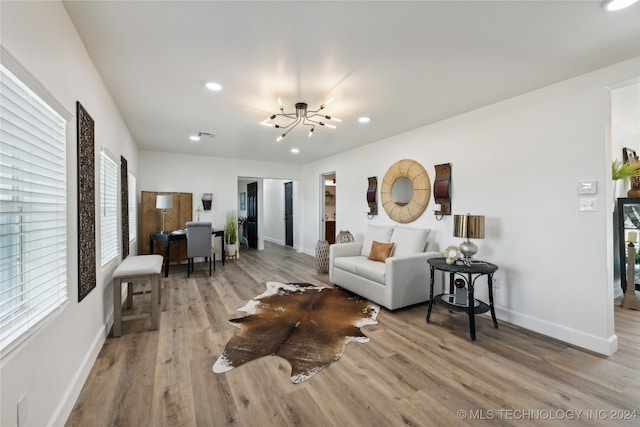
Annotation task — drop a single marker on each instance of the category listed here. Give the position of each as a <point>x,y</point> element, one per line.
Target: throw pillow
<point>380,251</point>
<point>381,233</point>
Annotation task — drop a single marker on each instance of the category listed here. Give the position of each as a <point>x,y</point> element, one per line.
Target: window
<point>133,209</point>
<point>33,208</point>
<point>108,208</point>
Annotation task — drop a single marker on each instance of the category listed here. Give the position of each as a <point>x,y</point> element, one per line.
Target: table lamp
<point>164,202</point>
<point>469,227</point>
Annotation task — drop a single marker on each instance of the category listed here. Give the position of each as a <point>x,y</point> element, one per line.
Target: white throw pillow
<point>379,233</point>
<point>409,241</point>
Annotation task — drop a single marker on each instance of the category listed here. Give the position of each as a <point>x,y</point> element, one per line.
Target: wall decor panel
<point>86,202</point>
<point>124,200</point>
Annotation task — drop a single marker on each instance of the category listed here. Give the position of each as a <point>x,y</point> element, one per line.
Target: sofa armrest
<point>408,275</point>
<point>338,250</point>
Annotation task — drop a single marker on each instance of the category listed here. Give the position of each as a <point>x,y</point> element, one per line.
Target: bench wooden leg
<point>129,294</point>
<point>155,300</point>
<point>117,308</point>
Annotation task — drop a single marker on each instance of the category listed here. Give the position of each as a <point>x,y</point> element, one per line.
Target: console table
<point>176,236</point>
<point>469,274</point>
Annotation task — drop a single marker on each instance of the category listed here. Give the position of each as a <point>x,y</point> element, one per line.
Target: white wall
<point>51,366</point>
<point>518,163</point>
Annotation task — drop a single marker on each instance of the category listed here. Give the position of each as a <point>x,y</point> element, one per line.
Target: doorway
<point>252,215</point>
<point>328,207</point>
<point>625,135</point>
<point>288,213</point>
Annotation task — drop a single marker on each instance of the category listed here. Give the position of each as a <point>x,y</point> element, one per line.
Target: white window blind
<point>108,208</point>
<point>133,207</point>
<point>33,209</point>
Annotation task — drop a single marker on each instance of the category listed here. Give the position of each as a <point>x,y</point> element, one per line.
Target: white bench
<point>141,268</point>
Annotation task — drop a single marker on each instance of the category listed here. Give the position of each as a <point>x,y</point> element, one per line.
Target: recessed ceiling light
<point>614,5</point>
<point>364,119</point>
<point>295,150</point>
<point>216,87</point>
<point>194,138</point>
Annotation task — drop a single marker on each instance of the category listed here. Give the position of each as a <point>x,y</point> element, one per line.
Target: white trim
<point>38,88</point>
<point>605,346</point>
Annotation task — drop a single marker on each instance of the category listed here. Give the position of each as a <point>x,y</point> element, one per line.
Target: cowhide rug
<point>308,326</point>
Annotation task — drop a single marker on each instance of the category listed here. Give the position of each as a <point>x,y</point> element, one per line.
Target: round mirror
<point>402,191</point>
<point>410,199</point>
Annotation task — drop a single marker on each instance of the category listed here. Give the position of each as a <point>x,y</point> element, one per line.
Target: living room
<point>516,160</point>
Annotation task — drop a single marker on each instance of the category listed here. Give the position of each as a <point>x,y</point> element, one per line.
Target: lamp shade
<point>164,201</point>
<point>468,226</point>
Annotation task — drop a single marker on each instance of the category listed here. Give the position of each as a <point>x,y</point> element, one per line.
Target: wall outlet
<point>22,411</point>
<point>496,283</point>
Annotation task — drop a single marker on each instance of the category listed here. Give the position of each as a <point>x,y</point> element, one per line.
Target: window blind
<point>33,209</point>
<point>133,207</point>
<point>108,208</point>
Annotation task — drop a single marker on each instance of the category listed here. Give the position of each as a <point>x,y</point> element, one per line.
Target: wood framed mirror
<point>402,173</point>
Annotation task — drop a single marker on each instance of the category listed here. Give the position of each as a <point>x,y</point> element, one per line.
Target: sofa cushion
<point>349,263</point>
<point>380,251</point>
<point>371,270</point>
<point>380,233</point>
<point>409,241</point>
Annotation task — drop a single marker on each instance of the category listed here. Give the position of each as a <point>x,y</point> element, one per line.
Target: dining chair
<point>199,244</point>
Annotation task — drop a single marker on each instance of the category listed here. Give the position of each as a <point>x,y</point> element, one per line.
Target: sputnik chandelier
<point>308,118</point>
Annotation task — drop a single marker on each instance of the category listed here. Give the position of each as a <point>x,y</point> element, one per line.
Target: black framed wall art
<point>124,201</point>
<point>86,203</point>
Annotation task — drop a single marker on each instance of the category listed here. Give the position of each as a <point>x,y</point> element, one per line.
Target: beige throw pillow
<point>380,251</point>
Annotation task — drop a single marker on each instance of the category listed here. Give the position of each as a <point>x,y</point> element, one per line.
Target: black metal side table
<point>467,273</point>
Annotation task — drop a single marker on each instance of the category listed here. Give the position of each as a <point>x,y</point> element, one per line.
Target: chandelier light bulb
<point>311,132</point>
<point>280,137</point>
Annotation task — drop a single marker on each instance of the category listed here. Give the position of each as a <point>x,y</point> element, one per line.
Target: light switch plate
<point>588,187</point>
<point>588,204</point>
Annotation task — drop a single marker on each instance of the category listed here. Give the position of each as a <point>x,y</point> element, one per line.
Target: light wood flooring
<point>409,374</point>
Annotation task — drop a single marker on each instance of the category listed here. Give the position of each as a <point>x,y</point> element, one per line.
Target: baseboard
<point>275,241</point>
<point>604,346</point>
<point>69,399</point>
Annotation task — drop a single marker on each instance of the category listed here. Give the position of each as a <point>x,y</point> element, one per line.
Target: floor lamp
<point>164,202</point>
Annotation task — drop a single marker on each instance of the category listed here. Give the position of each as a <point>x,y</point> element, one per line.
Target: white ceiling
<point>404,64</point>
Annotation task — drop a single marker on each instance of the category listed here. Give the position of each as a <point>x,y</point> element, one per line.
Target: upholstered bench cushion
<point>141,265</point>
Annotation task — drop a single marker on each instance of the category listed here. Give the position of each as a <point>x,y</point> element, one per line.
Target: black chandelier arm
<point>307,122</point>
<point>315,111</point>
<point>320,115</point>
<point>292,125</point>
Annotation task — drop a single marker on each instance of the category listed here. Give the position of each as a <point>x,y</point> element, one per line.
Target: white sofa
<point>399,281</point>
